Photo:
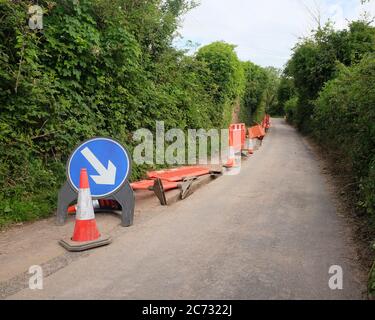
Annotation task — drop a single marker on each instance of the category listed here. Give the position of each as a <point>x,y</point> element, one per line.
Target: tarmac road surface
<point>272,232</point>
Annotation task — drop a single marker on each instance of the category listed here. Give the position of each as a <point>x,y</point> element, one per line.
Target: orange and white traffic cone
<point>85,228</point>
<point>232,158</point>
<point>86,234</point>
<point>249,146</point>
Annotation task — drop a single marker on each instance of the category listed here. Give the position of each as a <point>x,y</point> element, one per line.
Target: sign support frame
<point>124,196</point>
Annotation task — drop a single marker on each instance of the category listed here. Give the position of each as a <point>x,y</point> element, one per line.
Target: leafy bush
<point>344,119</point>
<point>286,90</point>
<point>333,84</point>
<point>291,109</point>
<point>331,76</point>
<point>260,95</point>
<point>93,70</point>
<point>225,77</point>
<point>256,81</point>
<point>315,62</point>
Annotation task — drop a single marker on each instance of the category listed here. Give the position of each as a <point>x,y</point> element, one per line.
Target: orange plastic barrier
<point>178,174</point>
<point>105,204</point>
<point>142,185</point>
<point>148,184</point>
<point>237,142</point>
<point>109,204</point>
<point>99,204</point>
<point>256,132</point>
<point>139,185</point>
<point>237,136</point>
<point>266,123</point>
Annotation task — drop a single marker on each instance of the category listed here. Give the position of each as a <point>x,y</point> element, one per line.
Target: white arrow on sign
<point>106,175</point>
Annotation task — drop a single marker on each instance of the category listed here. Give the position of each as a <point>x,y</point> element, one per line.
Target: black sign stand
<point>124,196</point>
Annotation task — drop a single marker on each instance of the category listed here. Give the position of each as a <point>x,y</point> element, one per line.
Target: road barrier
<point>86,234</point>
<point>112,205</point>
<point>257,132</point>
<point>242,143</point>
<point>149,185</point>
<point>178,174</point>
<point>266,123</point>
<point>237,141</point>
<point>182,178</point>
<point>170,179</point>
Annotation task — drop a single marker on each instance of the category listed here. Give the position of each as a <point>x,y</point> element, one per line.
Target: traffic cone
<point>86,234</point>
<point>85,228</point>
<point>232,158</point>
<point>249,145</point>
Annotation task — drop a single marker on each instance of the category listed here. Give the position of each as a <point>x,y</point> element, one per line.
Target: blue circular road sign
<point>107,162</point>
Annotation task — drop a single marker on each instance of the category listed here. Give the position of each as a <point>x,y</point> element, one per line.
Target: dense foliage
<point>315,61</point>
<point>260,94</point>
<point>225,78</point>
<point>99,68</point>
<point>328,90</point>
<point>344,119</point>
<point>285,93</point>
<point>271,91</point>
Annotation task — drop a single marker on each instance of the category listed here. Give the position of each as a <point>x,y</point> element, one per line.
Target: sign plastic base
<point>124,196</point>
<point>74,246</point>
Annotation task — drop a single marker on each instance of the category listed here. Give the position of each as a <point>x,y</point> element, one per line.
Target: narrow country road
<point>271,232</point>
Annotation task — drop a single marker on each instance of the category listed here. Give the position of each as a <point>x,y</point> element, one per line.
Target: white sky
<point>264,31</point>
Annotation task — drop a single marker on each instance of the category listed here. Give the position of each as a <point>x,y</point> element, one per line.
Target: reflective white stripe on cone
<point>85,208</point>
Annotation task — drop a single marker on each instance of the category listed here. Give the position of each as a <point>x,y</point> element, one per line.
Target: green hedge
<point>331,77</point>
<point>344,119</point>
<point>98,68</point>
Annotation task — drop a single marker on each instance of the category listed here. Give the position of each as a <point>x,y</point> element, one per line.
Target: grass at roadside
<point>31,208</point>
